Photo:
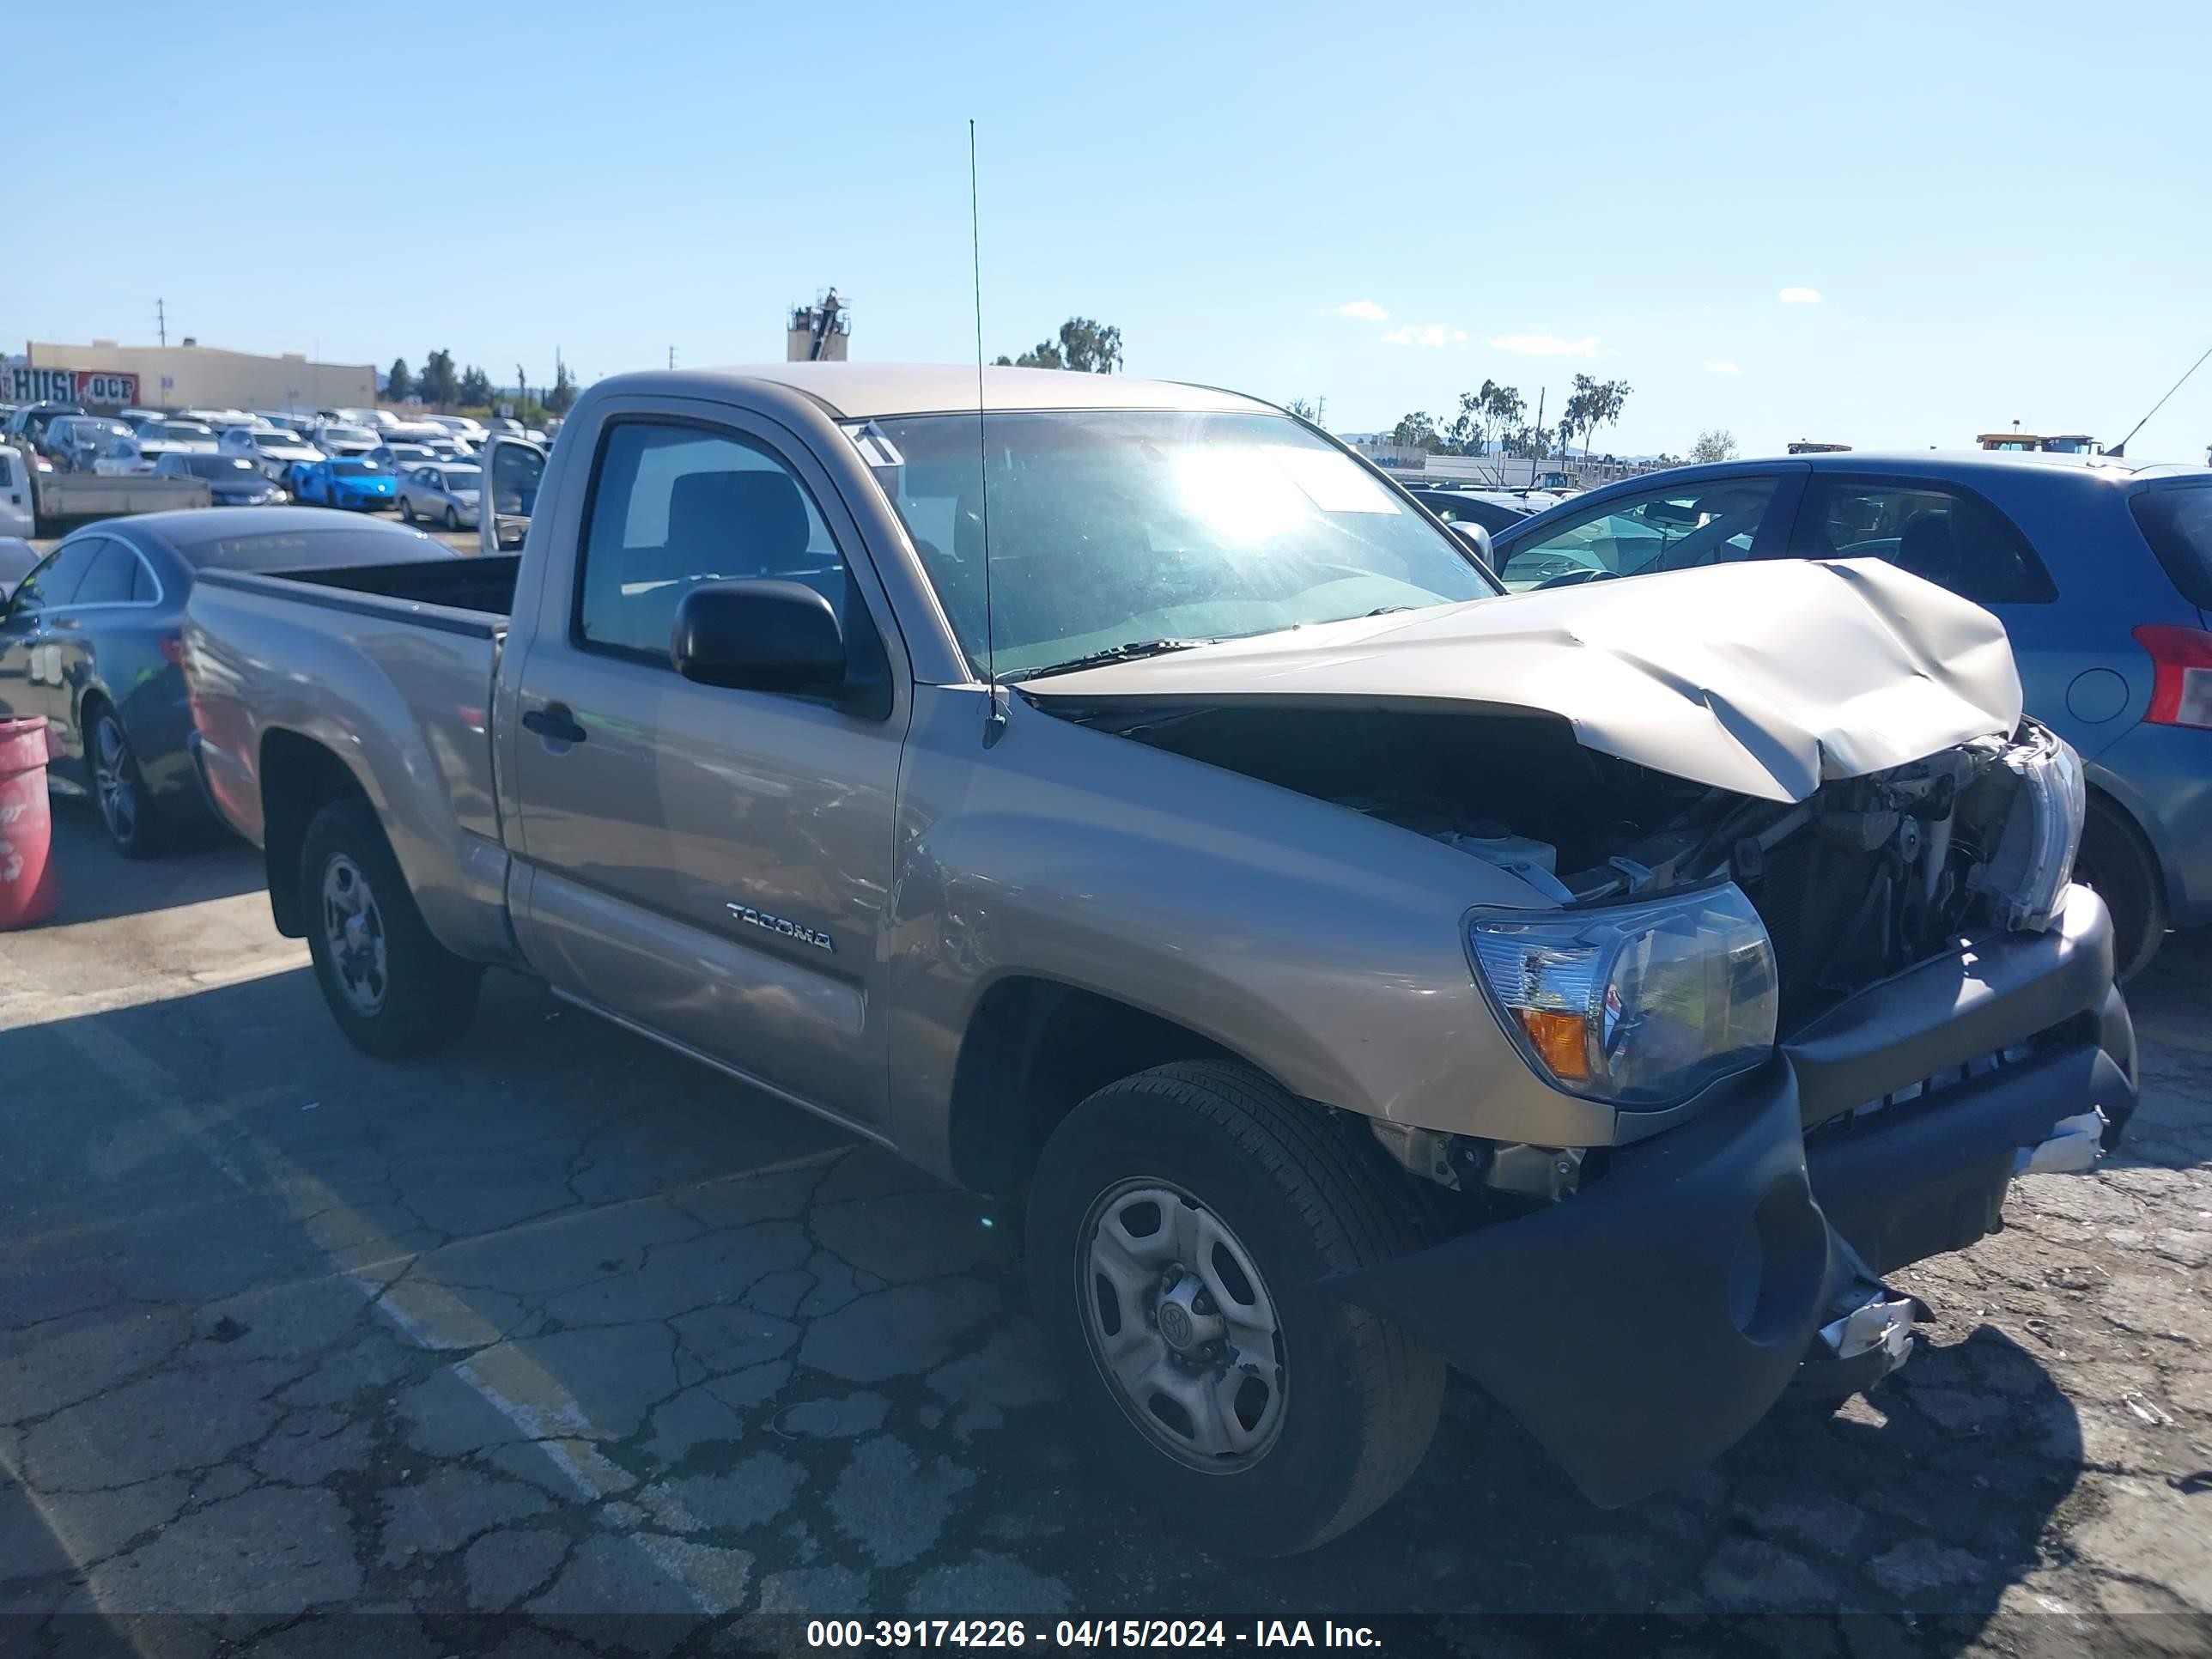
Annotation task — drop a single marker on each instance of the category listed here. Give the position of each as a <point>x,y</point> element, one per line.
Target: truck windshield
<point>1110,527</point>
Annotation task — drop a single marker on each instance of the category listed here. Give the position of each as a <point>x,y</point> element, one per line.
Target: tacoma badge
<point>790,930</point>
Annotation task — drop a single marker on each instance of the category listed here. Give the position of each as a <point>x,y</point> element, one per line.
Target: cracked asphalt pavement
<point>562,1326</point>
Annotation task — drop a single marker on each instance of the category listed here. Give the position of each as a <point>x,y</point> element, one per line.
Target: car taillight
<point>2181,693</point>
<point>172,649</point>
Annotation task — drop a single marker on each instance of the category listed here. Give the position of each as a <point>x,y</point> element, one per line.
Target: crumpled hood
<point>1764,678</point>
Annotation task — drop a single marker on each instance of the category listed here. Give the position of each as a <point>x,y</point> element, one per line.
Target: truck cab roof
<point>858,391</point>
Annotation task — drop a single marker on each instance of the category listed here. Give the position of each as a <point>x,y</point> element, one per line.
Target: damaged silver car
<point>1347,968</point>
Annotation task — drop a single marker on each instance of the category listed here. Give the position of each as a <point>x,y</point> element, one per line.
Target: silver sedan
<point>445,494</point>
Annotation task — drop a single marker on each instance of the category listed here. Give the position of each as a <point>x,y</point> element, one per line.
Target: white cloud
<point>1547,345</point>
<point>1366,310</point>
<point>1431,334</point>
<point>1800,296</point>
<point>1459,337</point>
<point>1722,368</point>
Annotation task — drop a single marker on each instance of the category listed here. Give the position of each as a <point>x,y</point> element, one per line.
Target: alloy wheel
<point>114,779</point>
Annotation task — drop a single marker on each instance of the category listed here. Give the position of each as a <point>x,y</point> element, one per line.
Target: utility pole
<point>672,356</point>
<point>162,320</point>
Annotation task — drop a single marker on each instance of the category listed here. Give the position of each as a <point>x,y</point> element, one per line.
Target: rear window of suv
<point>2178,525</point>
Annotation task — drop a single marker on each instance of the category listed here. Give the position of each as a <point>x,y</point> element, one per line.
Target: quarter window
<point>107,581</point>
<point>1714,521</point>
<point>1947,537</point>
<point>675,506</point>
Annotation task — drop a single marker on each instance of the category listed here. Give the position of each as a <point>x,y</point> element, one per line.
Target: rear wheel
<point>1179,1225</point>
<point>127,812</point>
<point>394,990</point>
<point>2118,862</point>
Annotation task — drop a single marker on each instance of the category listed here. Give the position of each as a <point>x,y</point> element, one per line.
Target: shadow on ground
<point>562,1325</point>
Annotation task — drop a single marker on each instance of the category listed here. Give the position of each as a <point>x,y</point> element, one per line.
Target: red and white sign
<point>72,385</point>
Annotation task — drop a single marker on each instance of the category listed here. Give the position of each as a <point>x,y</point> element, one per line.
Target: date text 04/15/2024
<point>1086,1634</point>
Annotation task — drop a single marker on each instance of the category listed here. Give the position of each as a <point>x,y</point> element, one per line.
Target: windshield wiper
<point>1131,651</point>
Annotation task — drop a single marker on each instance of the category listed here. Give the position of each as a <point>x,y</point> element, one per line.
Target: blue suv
<point>2101,569</point>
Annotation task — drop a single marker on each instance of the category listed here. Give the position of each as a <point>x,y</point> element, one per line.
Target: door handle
<point>555,723</point>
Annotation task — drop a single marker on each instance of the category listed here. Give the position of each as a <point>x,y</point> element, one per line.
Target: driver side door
<point>1672,523</point>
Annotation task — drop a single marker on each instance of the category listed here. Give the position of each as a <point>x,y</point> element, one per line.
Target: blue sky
<point>2006,211</point>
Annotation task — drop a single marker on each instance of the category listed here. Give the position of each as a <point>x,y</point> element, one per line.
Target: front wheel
<point>407,508</point>
<point>394,990</point>
<point>453,518</point>
<point>2119,865</point>
<point>1179,1225</point>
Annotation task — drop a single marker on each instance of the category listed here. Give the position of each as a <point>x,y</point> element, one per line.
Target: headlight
<point>1642,1005</point>
<point>2034,859</point>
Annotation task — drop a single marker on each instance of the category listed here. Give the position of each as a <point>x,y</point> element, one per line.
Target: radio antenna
<point>2121,448</point>
<point>994,720</point>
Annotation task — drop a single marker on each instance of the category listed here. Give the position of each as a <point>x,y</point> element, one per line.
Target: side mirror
<point>1475,537</point>
<point>757,635</point>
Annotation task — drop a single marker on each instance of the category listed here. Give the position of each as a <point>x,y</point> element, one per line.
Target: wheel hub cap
<point>1184,1331</point>
<point>353,928</point>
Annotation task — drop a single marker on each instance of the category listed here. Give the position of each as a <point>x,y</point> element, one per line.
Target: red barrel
<point>27,890</point>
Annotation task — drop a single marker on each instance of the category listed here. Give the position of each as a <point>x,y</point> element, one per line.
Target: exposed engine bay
<point>1865,877</point>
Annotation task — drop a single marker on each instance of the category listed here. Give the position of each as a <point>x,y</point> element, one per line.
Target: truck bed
<point>483,585</point>
<point>390,670</point>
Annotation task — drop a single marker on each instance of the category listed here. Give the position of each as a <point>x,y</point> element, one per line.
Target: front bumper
<point>1640,1327</point>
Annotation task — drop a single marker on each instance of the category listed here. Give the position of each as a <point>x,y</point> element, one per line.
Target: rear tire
<point>126,810</point>
<point>393,990</point>
<point>2118,863</point>
<point>1260,1453</point>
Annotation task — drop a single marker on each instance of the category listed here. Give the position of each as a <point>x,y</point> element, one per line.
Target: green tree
<point>1092,348</point>
<point>1417,431</point>
<point>1310,412</point>
<point>562,397</point>
<point>1593,403</point>
<point>436,384</point>
<point>1087,346</point>
<point>1527,443</point>
<point>1502,411</point>
<point>1716,444</point>
<point>475,389</point>
<point>398,384</point>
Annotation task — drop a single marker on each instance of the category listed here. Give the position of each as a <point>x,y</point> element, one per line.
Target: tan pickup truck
<point>1121,797</point>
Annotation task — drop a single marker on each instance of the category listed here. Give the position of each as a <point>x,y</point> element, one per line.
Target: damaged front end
<point>1919,1007</point>
<point>1847,1020</point>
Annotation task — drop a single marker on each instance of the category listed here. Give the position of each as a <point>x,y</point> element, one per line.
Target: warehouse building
<point>194,376</point>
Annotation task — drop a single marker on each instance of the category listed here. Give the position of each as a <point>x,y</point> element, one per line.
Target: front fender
<point>1323,946</point>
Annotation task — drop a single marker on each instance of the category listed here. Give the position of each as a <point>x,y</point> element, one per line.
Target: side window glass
<point>7,472</point>
<point>675,506</point>
<point>108,579</point>
<point>57,584</point>
<point>144,588</point>
<point>1714,522</point>
<point>1937,534</point>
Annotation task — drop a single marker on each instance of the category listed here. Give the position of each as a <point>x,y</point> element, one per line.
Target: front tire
<point>407,508</point>
<point>453,518</point>
<point>2116,862</point>
<point>1179,1225</point>
<point>393,990</point>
